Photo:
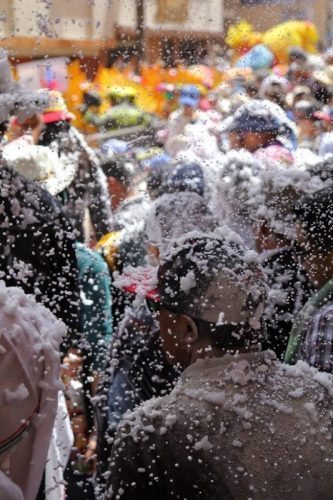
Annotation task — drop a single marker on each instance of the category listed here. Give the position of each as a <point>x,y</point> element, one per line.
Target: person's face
<point>176,339</point>
<point>188,110</point>
<point>235,140</point>
<point>253,141</point>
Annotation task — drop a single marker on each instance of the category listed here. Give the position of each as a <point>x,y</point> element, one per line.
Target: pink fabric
<point>273,155</point>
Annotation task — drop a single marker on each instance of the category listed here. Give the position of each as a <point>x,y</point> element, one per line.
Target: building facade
<point>174,29</point>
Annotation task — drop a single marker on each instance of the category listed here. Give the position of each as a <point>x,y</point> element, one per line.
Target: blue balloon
<point>257,58</point>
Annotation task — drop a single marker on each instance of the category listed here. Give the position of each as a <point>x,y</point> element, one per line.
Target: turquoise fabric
<point>95,305</point>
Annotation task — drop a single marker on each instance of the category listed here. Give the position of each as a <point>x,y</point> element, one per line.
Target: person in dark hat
<point>256,131</point>
<point>263,128</point>
<point>185,177</point>
<point>237,421</point>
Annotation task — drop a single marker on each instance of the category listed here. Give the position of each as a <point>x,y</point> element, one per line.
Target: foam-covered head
<point>216,280</point>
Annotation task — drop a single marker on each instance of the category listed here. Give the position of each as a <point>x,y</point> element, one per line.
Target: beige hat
<point>214,279</point>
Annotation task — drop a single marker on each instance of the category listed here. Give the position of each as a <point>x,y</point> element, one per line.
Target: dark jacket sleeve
<point>49,249</point>
<point>96,186</point>
<point>100,208</point>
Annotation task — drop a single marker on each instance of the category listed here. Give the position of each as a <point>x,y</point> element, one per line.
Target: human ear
<point>188,331</point>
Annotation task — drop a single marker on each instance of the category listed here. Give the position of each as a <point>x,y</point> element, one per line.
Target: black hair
<point>91,98</point>
<point>315,214</point>
<point>51,131</point>
<point>118,168</point>
<point>231,337</point>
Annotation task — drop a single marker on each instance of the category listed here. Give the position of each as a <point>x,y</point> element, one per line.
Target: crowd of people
<point>167,310</point>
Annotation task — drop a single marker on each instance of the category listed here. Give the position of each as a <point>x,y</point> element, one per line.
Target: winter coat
<point>88,190</point>
<point>37,245</point>
<point>233,428</point>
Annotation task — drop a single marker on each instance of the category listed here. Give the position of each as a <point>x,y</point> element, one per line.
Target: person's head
<point>307,110</point>
<point>40,164</point>
<point>255,125</point>
<point>119,175</point>
<point>211,299</point>
<point>297,55</point>
<point>56,119</point>
<point>15,99</point>
<point>173,215</point>
<point>278,191</point>
<point>185,177</point>
<point>51,131</point>
<point>322,85</point>
<point>155,183</point>
<point>314,214</point>
<point>234,190</point>
<point>189,99</point>
<point>274,88</point>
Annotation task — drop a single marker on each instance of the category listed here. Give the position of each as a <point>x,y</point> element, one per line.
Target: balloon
<point>257,58</point>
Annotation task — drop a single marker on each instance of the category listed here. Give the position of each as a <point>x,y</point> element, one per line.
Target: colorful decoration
<point>241,37</point>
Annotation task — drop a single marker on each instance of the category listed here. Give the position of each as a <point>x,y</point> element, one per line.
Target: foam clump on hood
<point>22,317</point>
<point>173,215</point>
<point>234,190</point>
<point>16,99</point>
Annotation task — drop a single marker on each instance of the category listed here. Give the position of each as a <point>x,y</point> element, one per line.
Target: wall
<point>30,28</point>
<point>63,19</point>
<point>204,15</point>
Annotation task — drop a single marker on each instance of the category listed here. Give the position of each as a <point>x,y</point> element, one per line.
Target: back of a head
<point>173,215</point>
<point>278,192</point>
<point>119,168</point>
<point>237,183</point>
<point>256,116</point>
<point>185,176</point>
<point>315,214</point>
<point>217,281</point>
<point>53,131</point>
